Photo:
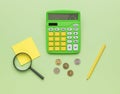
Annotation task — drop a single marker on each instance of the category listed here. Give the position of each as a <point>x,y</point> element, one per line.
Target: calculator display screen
<point>58,16</point>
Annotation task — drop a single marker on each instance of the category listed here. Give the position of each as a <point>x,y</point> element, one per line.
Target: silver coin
<point>56,70</point>
<point>77,61</point>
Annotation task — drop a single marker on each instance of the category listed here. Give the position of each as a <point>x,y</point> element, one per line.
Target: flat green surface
<point>100,20</point>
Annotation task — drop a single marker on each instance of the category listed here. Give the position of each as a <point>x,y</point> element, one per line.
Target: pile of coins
<point>65,66</point>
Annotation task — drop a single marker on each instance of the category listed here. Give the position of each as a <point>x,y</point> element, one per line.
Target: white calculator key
<point>75,33</point>
<point>76,29</point>
<point>75,41</point>
<point>75,37</point>
<point>50,29</point>
<point>69,33</point>
<point>63,29</point>
<point>57,29</point>
<point>69,41</point>
<point>75,25</point>
<point>69,37</point>
<point>69,29</point>
<point>75,47</point>
<point>69,47</point>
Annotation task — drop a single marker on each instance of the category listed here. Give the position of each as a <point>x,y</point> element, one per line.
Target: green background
<point>100,23</point>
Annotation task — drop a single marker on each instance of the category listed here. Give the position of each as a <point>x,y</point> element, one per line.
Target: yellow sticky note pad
<point>28,46</point>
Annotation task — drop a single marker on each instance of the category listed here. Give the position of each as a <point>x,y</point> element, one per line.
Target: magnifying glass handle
<point>38,74</point>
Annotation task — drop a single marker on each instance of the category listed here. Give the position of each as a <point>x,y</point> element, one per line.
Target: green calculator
<point>63,32</point>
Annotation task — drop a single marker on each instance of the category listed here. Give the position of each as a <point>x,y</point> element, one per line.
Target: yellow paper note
<point>28,46</point>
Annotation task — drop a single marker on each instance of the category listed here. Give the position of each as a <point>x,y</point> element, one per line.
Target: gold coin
<point>58,61</point>
<point>65,65</point>
<point>70,73</point>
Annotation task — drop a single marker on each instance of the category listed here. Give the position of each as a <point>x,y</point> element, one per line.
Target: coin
<point>65,65</point>
<point>56,70</point>
<point>58,61</point>
<point>70,73</point>
<point>77,61</point>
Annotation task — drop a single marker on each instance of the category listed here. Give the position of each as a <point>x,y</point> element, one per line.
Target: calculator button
<point>75,25</point>
<point>57,29</point>
<point>69,29</point>
<point>63,43</point>
<point>57,33</point>
<point>63,29</point>
<point>51,34</point>
<point>76,29</point>
<point>51,43</point>
<point>75,41</point>
<point>50,38</point>
<point>50,29</point>
<point>75,37</point>
<point>57,43</point>
<point>63,33</point>
<point>50,48</point>
<point>69,33</point>
<point>57,38</point>
<point>63,48</point>
<point>69,47</point>
<point>69,37</point>
<point>63,38</point>
<point>57,48</point>
<point>75,47</point>
<point>75,33</point>
<point>69,41</point>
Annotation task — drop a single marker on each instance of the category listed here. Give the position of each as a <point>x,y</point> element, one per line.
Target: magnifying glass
<point>27,66</point>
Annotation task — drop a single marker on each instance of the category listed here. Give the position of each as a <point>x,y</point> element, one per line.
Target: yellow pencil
<point>96,61</point>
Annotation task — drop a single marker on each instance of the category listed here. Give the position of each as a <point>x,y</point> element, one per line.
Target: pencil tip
<point>87,78</point>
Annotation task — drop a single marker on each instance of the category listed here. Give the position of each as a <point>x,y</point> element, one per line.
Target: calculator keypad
<point>63,39</point>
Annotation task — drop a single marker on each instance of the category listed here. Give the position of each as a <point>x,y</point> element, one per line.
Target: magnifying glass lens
<point>22,61</point>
